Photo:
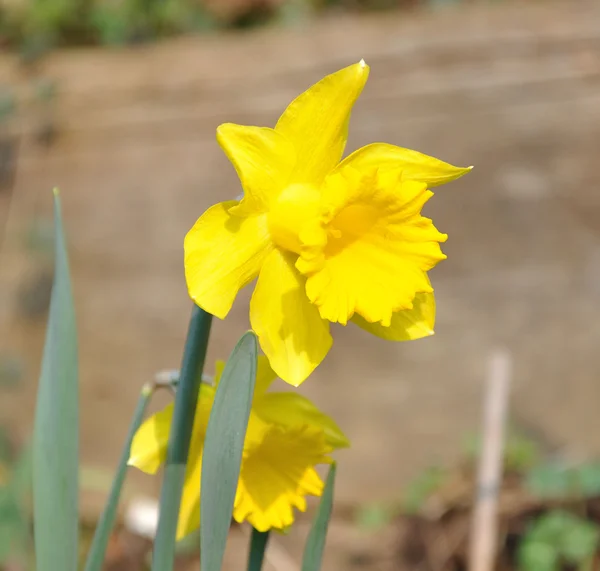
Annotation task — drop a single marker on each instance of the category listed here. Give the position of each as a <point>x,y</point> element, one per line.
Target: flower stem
<point>258,545</point>
<point>95,558</point>
<point>180,437</point>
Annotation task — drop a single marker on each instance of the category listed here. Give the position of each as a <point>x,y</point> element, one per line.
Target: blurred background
<point>117,102</point>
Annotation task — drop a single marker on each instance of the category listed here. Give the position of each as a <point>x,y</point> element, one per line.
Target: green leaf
<point>557,537</point>
<point>95,558</point>
<point>56,432</point>
<point>315,544</point>
<point>580,540</point>
<point>223,446</point>
<point>535,556</point>
<point>588,479</point>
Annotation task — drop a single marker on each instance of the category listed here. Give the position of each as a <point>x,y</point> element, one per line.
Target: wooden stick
<point>484,530</point>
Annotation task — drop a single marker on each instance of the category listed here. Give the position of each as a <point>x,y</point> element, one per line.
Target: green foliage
<point>558,538</point>
<point>95,559</point>
<point>223,446</point>
<point>35,26</point>
<point>520,452</point>
<point>315,544</point>
<point>553,481</point>
<point>55,450</point>
<point>420,489</point>
<point>180,436</point>
<point>56,432</point>
<point>375,516</point>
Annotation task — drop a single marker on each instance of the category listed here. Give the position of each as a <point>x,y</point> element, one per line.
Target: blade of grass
<point>223,446</point>
<point>180,436</point>
<point>97,552</point>
<point>258,546</point>
<point>56,432</point>
<point>315,544</point>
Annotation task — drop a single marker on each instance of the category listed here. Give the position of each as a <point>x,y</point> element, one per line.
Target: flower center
<point>350,225</point>
<point>294,206</point>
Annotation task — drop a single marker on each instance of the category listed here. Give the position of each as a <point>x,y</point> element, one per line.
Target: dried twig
<point>484,524</point>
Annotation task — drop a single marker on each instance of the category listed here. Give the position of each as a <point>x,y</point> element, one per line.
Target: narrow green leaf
<point>223,446</point>
<point>56,432</point>
<point>258,546</point>
<point>95,558</point>
<point>315,544</point>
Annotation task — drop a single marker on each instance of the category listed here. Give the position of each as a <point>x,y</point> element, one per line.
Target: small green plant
<point>558,538</point>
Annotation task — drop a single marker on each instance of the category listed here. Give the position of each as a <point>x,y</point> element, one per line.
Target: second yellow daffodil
<point>329,241</point>
<point>287,437</point>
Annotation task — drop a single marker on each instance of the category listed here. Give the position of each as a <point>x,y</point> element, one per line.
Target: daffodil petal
<point>263,159</point>
<point>265,376</point>
<point>289,328</point>
<point>149,445</point>
<point>288,409</point>
<point>277,473</point>
<point>189,510</point>
<point>219,368</point>
<point>414,165</point>
<point>316,122</point>
<point>223,253</point>
<point>408,324</point>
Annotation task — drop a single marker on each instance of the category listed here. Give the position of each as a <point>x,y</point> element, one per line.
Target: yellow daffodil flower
<point>287,437</point>
<point>329,241</point>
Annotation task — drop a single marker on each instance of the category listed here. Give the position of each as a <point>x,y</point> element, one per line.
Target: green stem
<point>258,545</point>
<point>95,558</point>
<point>180,437</point>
